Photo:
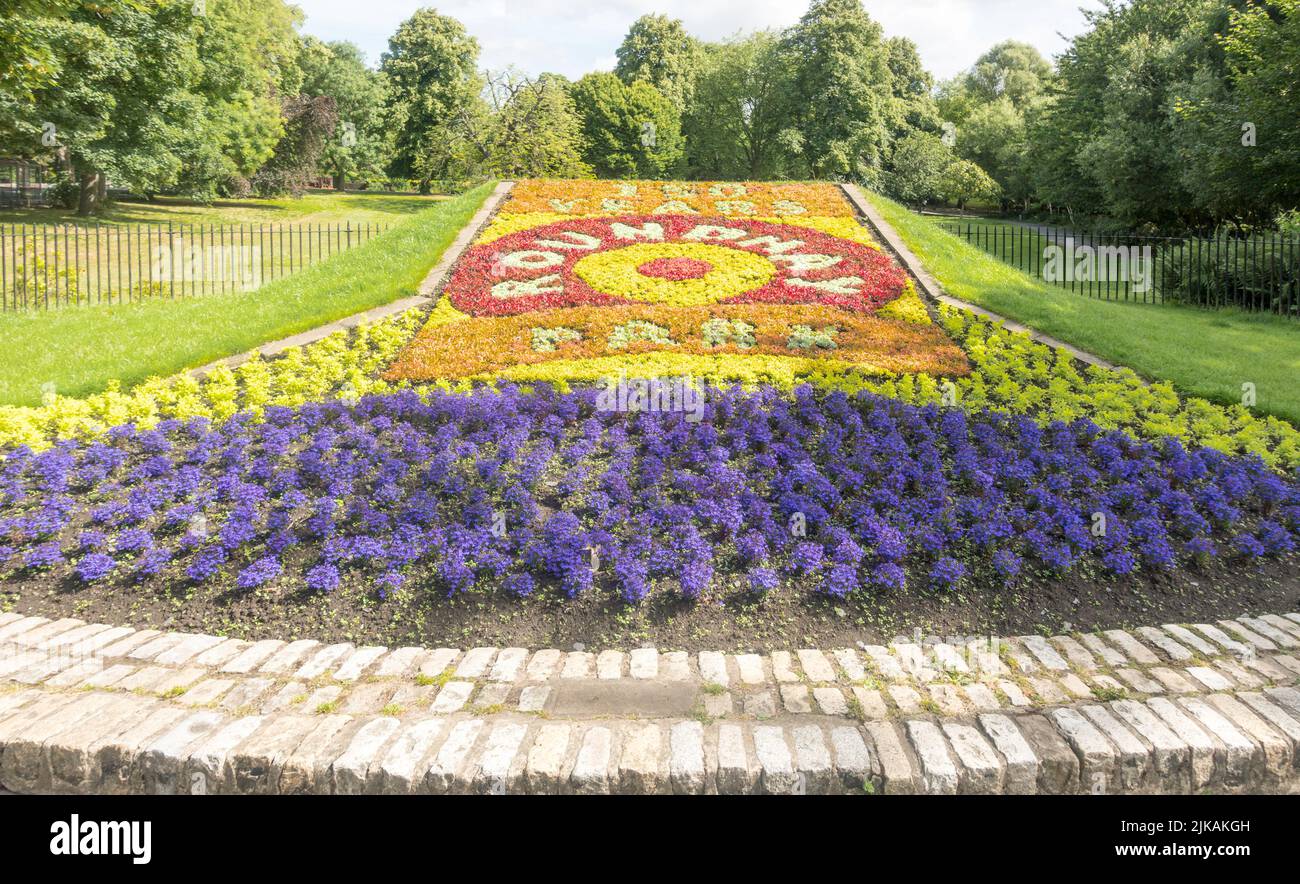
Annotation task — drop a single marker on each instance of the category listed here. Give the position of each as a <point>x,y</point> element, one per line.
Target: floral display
<point>484,347</point>
<point>838,491</point>
<point>676,260</point>
<point>1009,372</point>
<point>598,259</point>
<point>849,436</point>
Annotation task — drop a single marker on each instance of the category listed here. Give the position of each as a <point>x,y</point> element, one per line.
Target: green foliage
<point>431,66</point>
<point>627,131</point>
<point>988,105</point>
<point>743,95</point>
<point>28,61</point>
<point>248,49</point>
<point>1261,46</point>
<point>359,147</point>
<point>123,99</point>
<point>964,182</point>
<point>529,129</point>
<point>912,107</point>
<point>841,91</point>
<point>657,50</point>
<point>917,169</point>
<point>308,123</point>
<point>1010,70</point>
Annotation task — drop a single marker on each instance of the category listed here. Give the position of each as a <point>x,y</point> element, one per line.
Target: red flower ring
<point>533,269</point>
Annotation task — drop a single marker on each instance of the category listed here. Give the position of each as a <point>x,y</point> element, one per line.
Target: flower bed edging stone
<point>90,708</point>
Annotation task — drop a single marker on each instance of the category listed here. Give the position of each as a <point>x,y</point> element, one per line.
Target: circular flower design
<point>728,272</point>
<point>603,262</point>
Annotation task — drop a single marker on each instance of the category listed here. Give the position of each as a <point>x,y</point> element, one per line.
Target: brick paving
<point>1177,708</point>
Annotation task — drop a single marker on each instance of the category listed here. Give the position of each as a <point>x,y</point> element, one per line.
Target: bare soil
<point>728,619</point>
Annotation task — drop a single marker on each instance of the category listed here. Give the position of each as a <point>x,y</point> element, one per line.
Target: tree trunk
<point>340,180</point>
<point>426,186</point>
<point>88,198</point>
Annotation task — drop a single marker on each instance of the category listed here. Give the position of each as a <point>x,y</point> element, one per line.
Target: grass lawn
<point>1209,353</point>
<point>315,208</point>
<point>79,350</point>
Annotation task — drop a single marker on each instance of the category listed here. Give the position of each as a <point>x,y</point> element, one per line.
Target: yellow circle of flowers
<point>734,272</point>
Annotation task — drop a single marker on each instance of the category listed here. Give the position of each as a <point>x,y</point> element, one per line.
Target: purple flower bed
<point>526,491</point>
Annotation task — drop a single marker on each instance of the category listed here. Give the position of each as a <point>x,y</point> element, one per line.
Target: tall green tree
<point>912,107</point>
<point>1105,144</point>
<point>658,51</point>
<point>987,106</point>
<point>1239,125</point>
<point>734,127</point>
<point>1012,70</point>
<point>963,182</point>
<point>918,168</point>
<point>842,91</point>
<point>627,131</point>
<point>527,128</point>
<point>123,100</point>
<point>360,145</point>
<point>28,60</point>
<point>431,66</point>
<point>249,52</point>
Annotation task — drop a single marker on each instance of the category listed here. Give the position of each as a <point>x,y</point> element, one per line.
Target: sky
<point>574,37</point>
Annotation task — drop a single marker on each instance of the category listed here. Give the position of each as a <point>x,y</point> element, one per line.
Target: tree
<point>993,137</point>
<point>917,168</point>
<point>1239,138</point>
<point>987,106</point>
<point>528,128</point>
<point>842,88</point>
<point>658,51</point>
<point>627,131</point>
<point>249,53</point>
<point>912,107</point>
<point>734,127</point>
<point>122,103</point>
<point>1104,142</point>
<point>28,60</point>
<point>1012,70</point>
<point>360,144</point>
<point>964,182</point>
<point>431,66</point>
<point>309,121</point>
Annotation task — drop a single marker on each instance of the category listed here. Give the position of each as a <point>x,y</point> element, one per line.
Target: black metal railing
<point>45,266</point>
<point>1252,271</point>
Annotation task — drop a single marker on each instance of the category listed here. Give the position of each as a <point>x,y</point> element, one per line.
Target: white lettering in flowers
<point>516,288</point>
<point>801,264</point>
<point>581,241</point>
<point>649,231</point>
<point>840,285</point>
<point>771,245</point>
<point>530,259</point>
<point>674,207</point>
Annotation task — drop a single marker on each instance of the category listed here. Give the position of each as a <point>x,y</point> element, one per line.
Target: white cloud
<point>573,37</point>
